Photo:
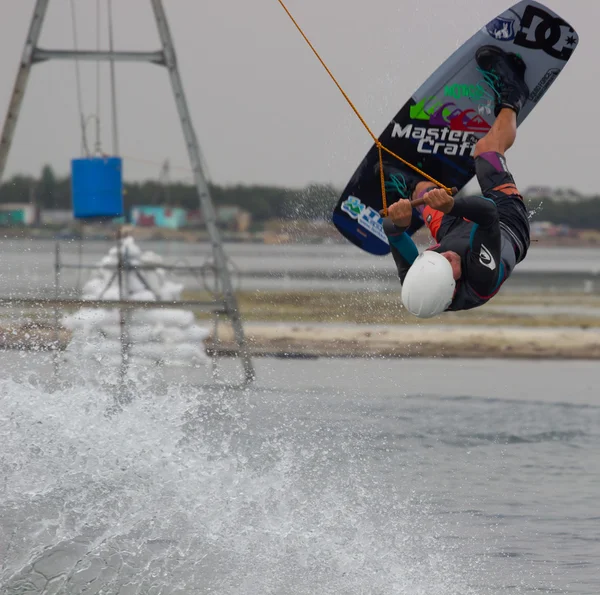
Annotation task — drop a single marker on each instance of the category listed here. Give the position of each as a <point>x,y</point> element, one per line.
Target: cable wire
<point>82,120</point>
<point>98,146</point>
<point>378,144</point>
<point>113,85</point>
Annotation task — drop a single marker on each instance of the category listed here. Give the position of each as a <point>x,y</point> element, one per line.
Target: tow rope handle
<point>421,201</point>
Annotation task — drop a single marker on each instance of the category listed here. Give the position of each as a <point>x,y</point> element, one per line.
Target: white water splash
<point>534,211</point>
<point>180,492</point>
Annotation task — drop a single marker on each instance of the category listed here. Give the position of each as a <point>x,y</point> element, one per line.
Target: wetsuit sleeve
<point>478,209</point>
<point>484,268</point>
<point>402,247</point>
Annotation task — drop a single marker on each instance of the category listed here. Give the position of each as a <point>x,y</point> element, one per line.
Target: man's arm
<point>402,246</point>
<point>485,268</point>
<point>478,209</point>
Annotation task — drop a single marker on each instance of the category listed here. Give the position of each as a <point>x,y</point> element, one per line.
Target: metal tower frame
<point>32,54</point>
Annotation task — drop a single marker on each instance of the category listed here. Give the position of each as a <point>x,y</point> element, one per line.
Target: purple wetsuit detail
<point>493,159</point>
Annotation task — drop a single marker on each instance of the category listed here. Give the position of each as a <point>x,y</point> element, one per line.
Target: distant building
<point>234,218</point>
<point>545,229</point>
<point>591,236</point>
<point>556,194</point>
<point>230,217</point>
<point>17,214</point>
<point>57,216</point>
<point>154,216</point>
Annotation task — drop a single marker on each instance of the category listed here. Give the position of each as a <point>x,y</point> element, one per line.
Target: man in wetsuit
<point>479,240</point>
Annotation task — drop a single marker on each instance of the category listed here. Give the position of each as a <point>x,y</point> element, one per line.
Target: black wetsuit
<point>490,233</point>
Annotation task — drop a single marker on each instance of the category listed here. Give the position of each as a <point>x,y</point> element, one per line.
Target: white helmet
<point>429,285</point>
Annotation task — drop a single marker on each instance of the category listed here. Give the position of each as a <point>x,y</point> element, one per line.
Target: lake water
<point>410,477</point>
<point>27,266</point>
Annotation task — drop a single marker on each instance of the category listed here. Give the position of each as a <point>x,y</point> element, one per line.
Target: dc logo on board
<point>501,29</point>
<point>542,31</point>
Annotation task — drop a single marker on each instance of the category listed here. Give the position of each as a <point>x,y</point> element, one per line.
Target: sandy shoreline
<point>310,340</point>
<point>349,324</point>
<point>344,340</point>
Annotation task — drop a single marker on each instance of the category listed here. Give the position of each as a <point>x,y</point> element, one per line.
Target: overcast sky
<point>263,108</point>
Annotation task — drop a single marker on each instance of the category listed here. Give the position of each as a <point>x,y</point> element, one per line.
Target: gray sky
<point>264,109</point>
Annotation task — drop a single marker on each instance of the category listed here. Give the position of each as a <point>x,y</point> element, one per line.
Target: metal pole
<point>202,187</point>
<point>32,54</point>
<point>113,84</point>
<point>21,82</point>
<point>123,397</point>
<point>55,358</point>
<point>41,55</point>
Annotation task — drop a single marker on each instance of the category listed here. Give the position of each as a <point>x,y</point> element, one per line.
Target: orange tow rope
<point>378,144</point>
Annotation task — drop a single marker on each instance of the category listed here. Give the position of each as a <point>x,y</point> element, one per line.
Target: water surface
<point>417,477</point>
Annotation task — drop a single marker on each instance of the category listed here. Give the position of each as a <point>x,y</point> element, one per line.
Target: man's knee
<point>487,144</point>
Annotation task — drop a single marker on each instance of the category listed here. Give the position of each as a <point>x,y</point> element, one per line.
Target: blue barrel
<point>97,187</point>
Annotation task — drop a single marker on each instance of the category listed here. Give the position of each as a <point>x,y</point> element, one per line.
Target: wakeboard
<point>436,130</point>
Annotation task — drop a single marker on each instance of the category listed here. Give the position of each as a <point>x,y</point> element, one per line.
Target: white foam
<point>175,494</point>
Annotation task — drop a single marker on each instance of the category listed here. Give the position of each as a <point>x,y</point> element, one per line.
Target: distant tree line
<point>316,201</point>
<point>263,202</point>
<point>584,214</point>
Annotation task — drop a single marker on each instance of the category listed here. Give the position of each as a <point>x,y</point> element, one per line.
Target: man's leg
<point>491,149</point>
<point>512,93</point>
<point>498,184</point>
<point>501,136</point>
<point>492,172</point>
<point>490,164</point>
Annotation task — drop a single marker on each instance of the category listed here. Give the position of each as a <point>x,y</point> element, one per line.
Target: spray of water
<point>534,211</point>
<point>187,490</point>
